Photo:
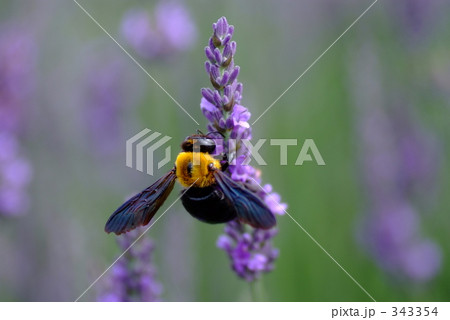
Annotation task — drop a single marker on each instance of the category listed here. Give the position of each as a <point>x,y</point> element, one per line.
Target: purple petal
<point>224,242</point>
<point>231,30</point>
<point>215,72</point>
<point>227,51</point>
<point>217,99</point>
<point>226,40</point>
<point>257,262</point>
<point>217,56</point>
<point>208,94</point>
<point>422,261</point>
<point>208,66</point>
<point>210,55</point>
<point>234,74</point>
<point>233,47</point>
<point>225,78</point>
<point>227,91</point>
<point>225,100</point>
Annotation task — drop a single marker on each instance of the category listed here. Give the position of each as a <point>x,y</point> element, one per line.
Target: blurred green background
<point>58,247</point>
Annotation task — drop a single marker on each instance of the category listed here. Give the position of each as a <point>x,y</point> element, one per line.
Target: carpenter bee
<point>210,195</point>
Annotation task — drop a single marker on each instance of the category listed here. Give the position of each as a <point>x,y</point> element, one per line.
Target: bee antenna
<point>200,132</point>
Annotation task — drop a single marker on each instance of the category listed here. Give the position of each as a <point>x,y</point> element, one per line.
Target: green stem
<point>257,291</point>
<point>253,294</point>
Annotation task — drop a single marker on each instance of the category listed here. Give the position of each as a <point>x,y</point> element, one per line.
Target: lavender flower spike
<point>250,251</point>
<point>398,158</point>
<point>17,75</point>
<point>133,276</point>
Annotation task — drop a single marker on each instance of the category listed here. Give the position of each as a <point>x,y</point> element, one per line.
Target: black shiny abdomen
<point>208,205</point>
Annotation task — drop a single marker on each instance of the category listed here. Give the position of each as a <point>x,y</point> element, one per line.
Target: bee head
<point>195,168</point>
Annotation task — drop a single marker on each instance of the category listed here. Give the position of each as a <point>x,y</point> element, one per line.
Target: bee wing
<point>140,209</point>
<point>249,207</point>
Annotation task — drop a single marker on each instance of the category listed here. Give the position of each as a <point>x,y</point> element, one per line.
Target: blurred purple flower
<point>175,24</point>
<point>393,236</point>
<point>397,160</point>
<point>17,60</point>
<point>415,17</point>
<point>172,30</point>
<point>417,153</point>
<point>414,256</point>
<point>105,97</point>
<point>132,278</point>
<point>138,32</point>
<point>400,163</point>
<point>251,253</point>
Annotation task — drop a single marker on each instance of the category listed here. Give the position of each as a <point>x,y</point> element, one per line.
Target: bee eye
<point>211,166</point>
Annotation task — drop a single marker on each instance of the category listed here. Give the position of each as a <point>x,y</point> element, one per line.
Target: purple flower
<point>105,98</point>
<point>17,60</point>
<point>170,29</point>
<point>175,24</point>
<point>413,257</point>
<point>399,166</point>
<point>415,17</point>
<point>393,235</point>
<point>132,278</point>
<point>138,32</point>
<point>250,250</point>
<point>398,159</point>
<point>417,153</point>
<point>273,201</point>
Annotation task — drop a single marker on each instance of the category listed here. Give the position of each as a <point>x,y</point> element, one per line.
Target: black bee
<point>210,195</point>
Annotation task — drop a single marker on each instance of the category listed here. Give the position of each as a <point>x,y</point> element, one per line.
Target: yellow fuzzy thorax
<point>199,169</point>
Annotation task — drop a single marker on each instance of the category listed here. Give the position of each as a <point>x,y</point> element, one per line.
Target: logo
<point>146,144</point>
